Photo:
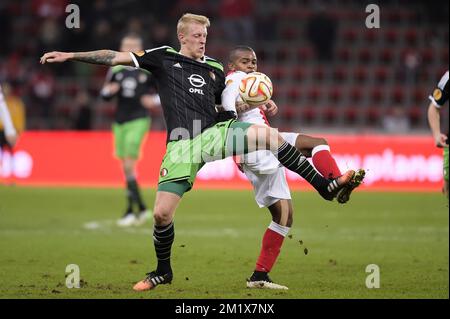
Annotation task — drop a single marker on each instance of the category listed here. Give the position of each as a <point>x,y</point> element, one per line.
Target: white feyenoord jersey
<point>255,115</point>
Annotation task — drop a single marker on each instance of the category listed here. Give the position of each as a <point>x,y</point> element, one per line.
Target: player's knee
<point>322,141</point>
<point>161,216</point>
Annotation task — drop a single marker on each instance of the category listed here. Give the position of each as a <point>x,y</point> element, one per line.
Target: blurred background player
<point>133,88</point>
<point>438,99</point>
<point>265,172</point>
<point>12,123</point>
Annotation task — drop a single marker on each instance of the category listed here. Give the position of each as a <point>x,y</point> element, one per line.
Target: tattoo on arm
<point>243,107</point>
<point>104,57</point>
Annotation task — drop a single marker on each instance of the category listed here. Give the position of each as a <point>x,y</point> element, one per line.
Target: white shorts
<point>267,175</point>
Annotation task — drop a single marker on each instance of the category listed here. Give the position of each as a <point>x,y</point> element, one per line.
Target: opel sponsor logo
<point>196,80</point>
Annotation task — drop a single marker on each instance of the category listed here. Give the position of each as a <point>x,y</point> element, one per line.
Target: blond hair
<point>189,18</point>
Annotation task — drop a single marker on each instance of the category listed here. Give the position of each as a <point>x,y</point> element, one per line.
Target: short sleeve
<point>149,60</point>
<point>440,93</point>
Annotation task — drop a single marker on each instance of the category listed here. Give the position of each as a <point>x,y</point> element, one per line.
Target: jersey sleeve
<point>5,117</point>
<point>220,87</point>
<point>440,93</point>
<point>149,60</point>
<point>231,91</point>
<point>110,77</point>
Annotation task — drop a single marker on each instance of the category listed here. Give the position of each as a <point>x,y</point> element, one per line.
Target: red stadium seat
<point>393,16</point>
<point>282,54</point>
<point>299,73</point>
<point>340,74</point>
<point>420,95</point>
<point>416,115</point>
<point>370,36</point>
<point>381,74</point>
<point>329,114</point>
<point>278,73</point>
<point>386,55</point>
<point>313,94</point>
<point>308,114</point>
<point>372,115</point>
<point>356,94</point>
<point>360,74</point>
<point>289,33</point>
<point>319,73</point>
<point>391,36</point>
<point>344,54</point>
<point>293,94</point>
<point>304,54</point>
<point>351,114</point>
<point>364,55</point>
<point>376,95</point>
<point>350,35</point>
<point>335,94</point>
<point>427,55</point>
<point>288,112</point>
<point>411,36</point>
<point>398,95</point>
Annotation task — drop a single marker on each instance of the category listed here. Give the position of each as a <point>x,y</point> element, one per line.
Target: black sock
<point>259,275</point>
<point>292,159</point>
<point>129,201</point>
<point>134,194</point>
<point>163,237</point>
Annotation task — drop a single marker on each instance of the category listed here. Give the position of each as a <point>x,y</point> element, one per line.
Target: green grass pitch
<point>218,236</point>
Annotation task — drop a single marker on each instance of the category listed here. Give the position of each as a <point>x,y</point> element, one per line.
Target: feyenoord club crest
<point>437,94</point>
<point>212,75</point>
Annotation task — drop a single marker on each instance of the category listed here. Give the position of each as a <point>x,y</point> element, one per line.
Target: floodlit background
<point>365,90</point>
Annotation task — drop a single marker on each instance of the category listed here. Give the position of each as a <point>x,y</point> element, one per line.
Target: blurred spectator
<point>83,118</point>
<point>49,35</point>
<point>409,68</point>
<point>75,38</point>
<point>16,108</point>
<point>237,20</point>
<point>160,35</point>
<point>265,15</point>
<point>321,32</point>
<point>102,36</point>
<point>192,6</point>
<point>49,8</point>
<point>42,92</point>
<point>396,121</point>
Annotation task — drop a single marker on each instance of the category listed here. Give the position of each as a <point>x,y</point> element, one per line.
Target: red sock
<point>271,246</point>
<point>324,162</point>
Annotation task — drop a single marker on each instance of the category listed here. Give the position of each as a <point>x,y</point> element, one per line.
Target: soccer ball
<point>256,89</point>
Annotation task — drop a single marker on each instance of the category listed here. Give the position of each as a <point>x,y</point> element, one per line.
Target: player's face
<point>131,45</point>
<point>193,40</point>
<point>245,61</point>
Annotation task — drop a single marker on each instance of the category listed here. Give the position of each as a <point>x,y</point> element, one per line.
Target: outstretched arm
<point>104,57</point>
<point>434,121</point>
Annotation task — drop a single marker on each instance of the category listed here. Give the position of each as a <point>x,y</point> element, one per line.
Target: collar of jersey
<point>170,49</point>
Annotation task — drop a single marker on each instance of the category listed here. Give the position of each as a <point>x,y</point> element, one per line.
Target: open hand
<point>441,140</point>
<point>54,57</point>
